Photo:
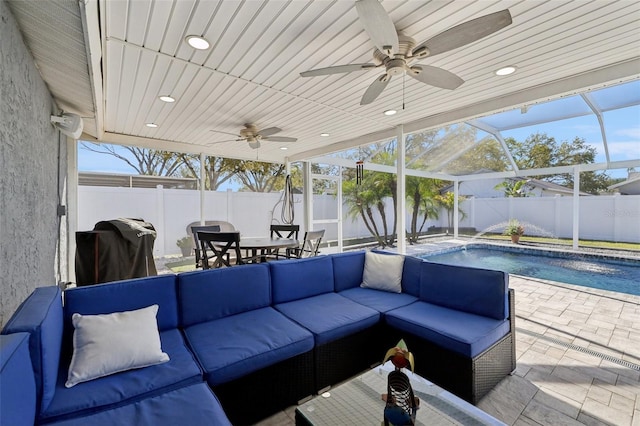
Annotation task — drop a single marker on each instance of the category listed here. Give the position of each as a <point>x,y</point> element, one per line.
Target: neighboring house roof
<point>134,181</point>
<point>631,186</point>
<point>550,186</point>
<point>533,184</point>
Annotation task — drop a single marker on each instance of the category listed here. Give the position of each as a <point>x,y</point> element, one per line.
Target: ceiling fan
<point>396,52</point>
<point>251,134</point>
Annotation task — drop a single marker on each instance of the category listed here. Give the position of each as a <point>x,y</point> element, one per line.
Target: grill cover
<point>115,250</point>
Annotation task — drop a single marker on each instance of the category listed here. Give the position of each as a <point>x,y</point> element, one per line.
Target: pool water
<point>621,276</point>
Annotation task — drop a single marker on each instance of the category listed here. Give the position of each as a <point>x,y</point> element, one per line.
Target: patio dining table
<point>261,247</point>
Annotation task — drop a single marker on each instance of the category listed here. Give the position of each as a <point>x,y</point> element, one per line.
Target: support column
<point>456,218</point>
<point>401,212</point>
<point>308,195</point>
<point>202,184</point>
<point>576,207</point>
<point>72,207</point>
<point>340,233</point>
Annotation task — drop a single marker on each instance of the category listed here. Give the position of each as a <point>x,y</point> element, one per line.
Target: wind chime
<point>359,168</point>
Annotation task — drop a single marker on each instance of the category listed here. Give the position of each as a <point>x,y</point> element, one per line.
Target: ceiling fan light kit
<point>396,52</point>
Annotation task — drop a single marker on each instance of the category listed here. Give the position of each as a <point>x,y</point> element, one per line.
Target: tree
<point>217,170</point>
<point>260,177</point>
<point>514,188</point>
<point>150,162</point>
<point>447,200</point>
<point>421,196</point>
<point>540,151</point>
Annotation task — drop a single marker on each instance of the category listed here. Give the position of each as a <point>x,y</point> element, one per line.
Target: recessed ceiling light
<point>165,98</point>
<point>284,148</point>
<point>197,42</point>
<point>506,70</point>
<point>324,135</point>
<point>390,112</point>
<point>152,125</point>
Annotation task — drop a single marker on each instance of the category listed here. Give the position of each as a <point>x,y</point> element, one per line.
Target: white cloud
<point>630,132</point>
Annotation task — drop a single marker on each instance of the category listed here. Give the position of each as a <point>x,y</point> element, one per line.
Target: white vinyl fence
<point>610,218</point>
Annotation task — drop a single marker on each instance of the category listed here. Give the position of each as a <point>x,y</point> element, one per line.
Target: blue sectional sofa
<point>247,341</point>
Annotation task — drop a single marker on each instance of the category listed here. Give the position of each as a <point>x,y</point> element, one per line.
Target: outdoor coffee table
<point>358,402</point>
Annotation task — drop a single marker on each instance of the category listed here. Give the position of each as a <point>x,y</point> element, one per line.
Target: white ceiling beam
<point>93,45</point>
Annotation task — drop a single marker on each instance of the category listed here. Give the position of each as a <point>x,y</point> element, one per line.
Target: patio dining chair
<point>221,244</point>
<point>283,231</point>
<point>197,247</point>
<point>310,246</point>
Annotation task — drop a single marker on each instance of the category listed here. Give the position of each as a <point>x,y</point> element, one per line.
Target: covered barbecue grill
<point>115,250</point>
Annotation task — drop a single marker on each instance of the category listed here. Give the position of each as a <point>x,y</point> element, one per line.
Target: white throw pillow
<point>111,343</point>
<point>382,272</point>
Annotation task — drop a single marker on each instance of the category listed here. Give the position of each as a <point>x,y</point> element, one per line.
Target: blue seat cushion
<point>232,347</point>
<point>17,384</point>
<point>300,278</point>
<point>215,293</point>
<point>330,316</point>
<point>191,405</point>
<point>40,315</point>
<point>99,394</point>
<point>126,295</point>
<point>477,291</point>
<point>347,269</point>
<point>381,301</point>
<point>461,332</point>
<point>349,266</point>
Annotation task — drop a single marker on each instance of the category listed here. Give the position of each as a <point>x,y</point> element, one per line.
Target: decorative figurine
<point>401,404</point>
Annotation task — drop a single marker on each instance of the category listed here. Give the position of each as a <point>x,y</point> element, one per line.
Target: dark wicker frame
<point>468,378</point>
<point>260,394</point>
<point>343,358</point>
<point>263,393</point>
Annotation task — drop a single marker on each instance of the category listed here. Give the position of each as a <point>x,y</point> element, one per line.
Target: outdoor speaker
<point>69,124</point>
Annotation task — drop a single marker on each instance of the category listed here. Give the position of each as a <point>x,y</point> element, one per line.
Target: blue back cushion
<point>347,269</point>
<point>218,293</point>
<point>411,273</point>
<point>41,316</point>
<point>477,291</point>
<point>17,383</point>
<point>301,278</point>
<point>126,295</point>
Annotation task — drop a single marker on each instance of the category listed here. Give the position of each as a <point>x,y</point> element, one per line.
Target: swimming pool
<point>589,271</point>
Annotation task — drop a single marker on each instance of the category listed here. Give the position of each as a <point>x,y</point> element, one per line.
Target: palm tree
<point>447,200</point>
<point>421,194</point>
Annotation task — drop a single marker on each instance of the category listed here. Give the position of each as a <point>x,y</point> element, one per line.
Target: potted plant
<point>185,244</point>
<point>515,230</point>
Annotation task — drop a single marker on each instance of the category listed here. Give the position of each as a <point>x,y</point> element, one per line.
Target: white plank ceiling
<point>251,73</point>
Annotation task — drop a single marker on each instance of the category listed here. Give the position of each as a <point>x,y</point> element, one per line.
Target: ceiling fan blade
<point>435,76</point>
<point>337,70</point>
<point>378,25</point>
<point>375,89</point>
<point>463,34</point>
<point>279,139</point>
<point>269,131</point>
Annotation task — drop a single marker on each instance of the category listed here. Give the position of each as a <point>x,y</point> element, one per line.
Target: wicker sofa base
<point>262,393</point>
<point>468,378</point>
<point>343,358</point>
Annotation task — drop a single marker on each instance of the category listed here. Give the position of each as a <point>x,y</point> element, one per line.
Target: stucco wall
<point>32,164</point>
